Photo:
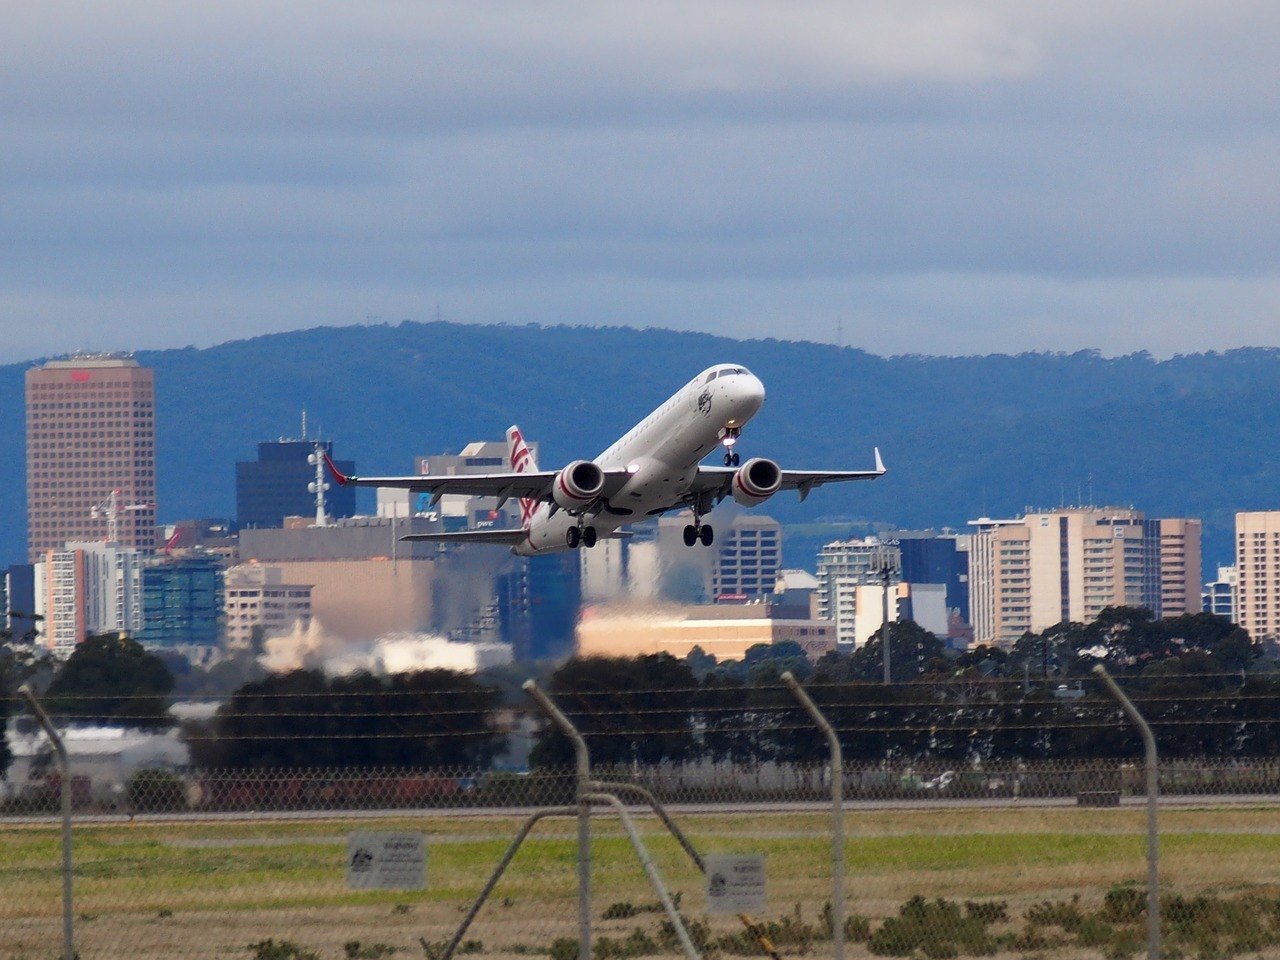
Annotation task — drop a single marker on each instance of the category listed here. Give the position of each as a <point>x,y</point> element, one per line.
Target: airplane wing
<point>717,479</point>
<point>533,484</point>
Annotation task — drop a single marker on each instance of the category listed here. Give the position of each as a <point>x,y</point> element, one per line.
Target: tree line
<point>1205,686</point>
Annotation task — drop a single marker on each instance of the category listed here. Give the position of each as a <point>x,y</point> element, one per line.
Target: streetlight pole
<point>886,570</point>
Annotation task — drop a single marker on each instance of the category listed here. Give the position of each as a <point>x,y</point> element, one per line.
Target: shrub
<point>158,791</point>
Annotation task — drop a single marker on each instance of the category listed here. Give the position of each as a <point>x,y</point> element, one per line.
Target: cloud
<point>206,171</point>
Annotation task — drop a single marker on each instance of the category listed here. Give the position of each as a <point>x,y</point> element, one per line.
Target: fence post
<point>1153,795</point>
<point>582,792</point>
<point>837,811</point>
<point>64,767</point>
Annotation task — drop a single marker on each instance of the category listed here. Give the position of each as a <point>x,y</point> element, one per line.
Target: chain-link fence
<point>1031,860</point>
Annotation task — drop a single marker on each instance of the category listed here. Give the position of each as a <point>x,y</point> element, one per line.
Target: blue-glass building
<point>538,604</point>
<point>275,485</point>
<point>182,602</point>
<point>930,558</point>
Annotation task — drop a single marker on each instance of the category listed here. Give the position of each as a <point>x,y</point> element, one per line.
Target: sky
<point>930,177</point>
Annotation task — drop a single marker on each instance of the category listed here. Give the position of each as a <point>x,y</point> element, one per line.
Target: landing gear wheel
<point>728,459</point>
<point>706,535</point>
<point>690,535</point>
<point>588,537</point>
<point>573,536</point>
<point>734,457</point>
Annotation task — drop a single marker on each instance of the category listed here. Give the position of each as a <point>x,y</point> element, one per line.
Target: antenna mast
<point>319,485</point>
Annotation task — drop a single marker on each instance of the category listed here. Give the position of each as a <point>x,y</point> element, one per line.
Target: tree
<point>112,679</point>
<point>913,651</point>
<point>630,710</point>
<point>427,718</point>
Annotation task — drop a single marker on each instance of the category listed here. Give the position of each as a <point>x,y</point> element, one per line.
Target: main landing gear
<point>694,532</point>
<point>580,537</point>
<point>729,439</point>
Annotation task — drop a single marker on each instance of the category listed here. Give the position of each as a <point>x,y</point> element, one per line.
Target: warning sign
<point>382,860</point>
<point>735,883</point>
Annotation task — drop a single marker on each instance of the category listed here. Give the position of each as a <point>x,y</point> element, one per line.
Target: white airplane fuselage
<point>661,453</point>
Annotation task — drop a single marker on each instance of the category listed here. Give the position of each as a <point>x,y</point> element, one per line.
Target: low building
<point>260,602</point>
<point>726,631</point>
<point>1219,596</point>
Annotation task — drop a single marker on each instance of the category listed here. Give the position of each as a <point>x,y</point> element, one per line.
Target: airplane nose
<point>748,394</point>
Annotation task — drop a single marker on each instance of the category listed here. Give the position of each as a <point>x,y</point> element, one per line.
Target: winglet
<point>338,475</point>
<point>879,462</point>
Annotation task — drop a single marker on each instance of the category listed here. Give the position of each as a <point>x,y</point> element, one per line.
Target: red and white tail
<point>521,462</point>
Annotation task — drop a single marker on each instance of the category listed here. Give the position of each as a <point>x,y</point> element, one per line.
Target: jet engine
<point>756,481</point>
<point>577,485</point>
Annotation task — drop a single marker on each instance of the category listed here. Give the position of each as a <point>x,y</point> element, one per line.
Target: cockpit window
<point>711,376</point>
<point>731,371</point>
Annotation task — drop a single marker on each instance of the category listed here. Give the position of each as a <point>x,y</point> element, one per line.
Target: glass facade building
<point>182,602</point>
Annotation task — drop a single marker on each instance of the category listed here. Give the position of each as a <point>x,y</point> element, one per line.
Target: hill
<point>963,436</point>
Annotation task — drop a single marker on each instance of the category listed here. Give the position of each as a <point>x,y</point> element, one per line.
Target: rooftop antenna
<point>840,331</point>
<point>304,423</point>
<point>319,485</point>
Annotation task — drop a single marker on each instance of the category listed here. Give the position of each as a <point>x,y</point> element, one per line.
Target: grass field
<point>214,889</point>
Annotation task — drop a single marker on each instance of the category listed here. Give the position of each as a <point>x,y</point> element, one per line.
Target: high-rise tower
<point>91,466</point>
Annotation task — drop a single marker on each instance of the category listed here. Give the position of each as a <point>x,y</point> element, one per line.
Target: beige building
<point>1258,573</point>
<point>90,431</point>
<point>260,598</point>
<point>1070,564</point>
<point>726,631</point>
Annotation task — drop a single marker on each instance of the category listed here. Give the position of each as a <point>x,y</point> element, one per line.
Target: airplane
<point>655,468</point>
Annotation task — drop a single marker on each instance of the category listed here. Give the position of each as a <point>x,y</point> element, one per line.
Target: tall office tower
<point>275,485</point>
<point>1219,596</point>
<point>88,588</point>
<point>844,568</point>
<point>91,469</point>
<point>748,558</point>
<point>1070,564</point>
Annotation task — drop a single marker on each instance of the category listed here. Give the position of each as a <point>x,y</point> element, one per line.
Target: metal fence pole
<point>64,767</point>
<point>1153,796</point>
<point>837,811</point>
<point>583,760</point>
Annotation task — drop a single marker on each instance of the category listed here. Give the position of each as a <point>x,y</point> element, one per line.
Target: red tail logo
<point>522,462</point>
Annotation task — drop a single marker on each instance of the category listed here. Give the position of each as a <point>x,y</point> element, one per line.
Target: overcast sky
<point>940,177</point>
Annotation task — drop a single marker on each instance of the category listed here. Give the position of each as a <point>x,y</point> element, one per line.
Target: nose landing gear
<point>729,439</point>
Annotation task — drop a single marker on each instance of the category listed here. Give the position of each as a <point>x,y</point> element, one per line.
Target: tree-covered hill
<point>963,436</point>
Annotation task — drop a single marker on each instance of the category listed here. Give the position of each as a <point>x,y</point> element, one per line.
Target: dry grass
<point>210,889</point>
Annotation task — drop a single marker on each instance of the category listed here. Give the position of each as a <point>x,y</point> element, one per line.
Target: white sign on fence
<point>385,860</point>
<point>735,883</point>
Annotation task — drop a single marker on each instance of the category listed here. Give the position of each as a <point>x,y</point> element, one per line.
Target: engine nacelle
<point>577,485</point>
<point>756,481</point>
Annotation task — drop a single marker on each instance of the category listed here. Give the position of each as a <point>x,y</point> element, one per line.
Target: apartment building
<point>85,589</point>
<point>1030,573</point>
<point>1258,573</point>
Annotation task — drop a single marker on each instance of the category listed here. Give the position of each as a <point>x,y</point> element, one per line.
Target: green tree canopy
<point>112,679</point>
<point>424,719</point>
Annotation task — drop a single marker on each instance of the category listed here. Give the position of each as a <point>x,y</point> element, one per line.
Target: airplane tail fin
<point>522,461</point>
